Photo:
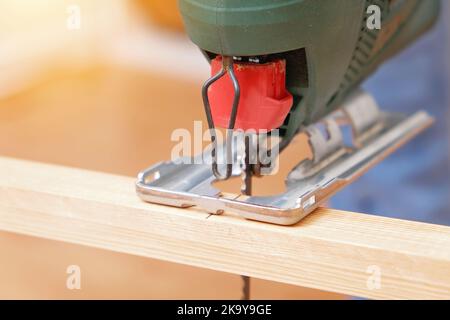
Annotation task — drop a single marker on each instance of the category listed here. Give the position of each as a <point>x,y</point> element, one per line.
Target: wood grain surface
<point>330,250</point>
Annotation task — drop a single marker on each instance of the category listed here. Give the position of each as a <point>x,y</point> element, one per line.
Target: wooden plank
<point>330,250</point>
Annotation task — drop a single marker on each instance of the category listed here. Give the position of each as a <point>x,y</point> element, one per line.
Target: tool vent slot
<point>363,53</point>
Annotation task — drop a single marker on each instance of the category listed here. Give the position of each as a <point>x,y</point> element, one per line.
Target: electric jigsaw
<point>290,67</point>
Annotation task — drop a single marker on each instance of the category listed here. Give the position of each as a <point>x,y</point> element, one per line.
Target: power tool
<point>283,68</point>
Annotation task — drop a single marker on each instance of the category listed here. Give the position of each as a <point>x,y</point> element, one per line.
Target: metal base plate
<point>335,165</point>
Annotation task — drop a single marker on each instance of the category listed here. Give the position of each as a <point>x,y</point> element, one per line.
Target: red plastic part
<point>264,102</point>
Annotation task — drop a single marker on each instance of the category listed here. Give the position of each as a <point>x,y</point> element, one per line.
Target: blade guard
<point>264,102</point>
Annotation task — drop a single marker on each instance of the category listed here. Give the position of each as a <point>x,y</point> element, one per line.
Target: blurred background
<point>101,84</point>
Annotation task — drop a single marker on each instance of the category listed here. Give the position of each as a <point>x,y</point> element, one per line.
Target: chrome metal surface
<point>312,182</point>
